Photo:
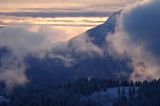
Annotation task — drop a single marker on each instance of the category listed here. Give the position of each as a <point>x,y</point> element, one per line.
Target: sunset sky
<point>71,16</point>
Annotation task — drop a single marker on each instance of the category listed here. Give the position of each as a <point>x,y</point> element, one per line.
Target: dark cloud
<point>143,23</point>
<point>138,37</point>
<point>56,14</point>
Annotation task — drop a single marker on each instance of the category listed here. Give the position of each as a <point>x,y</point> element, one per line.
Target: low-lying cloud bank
<point>21,40</point>
<point>38,41</point>
<point>137,36</point>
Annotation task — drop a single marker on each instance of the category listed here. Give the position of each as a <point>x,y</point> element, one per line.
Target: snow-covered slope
<point>109,96</point>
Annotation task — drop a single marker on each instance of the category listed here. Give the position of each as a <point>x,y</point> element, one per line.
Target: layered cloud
<point>137,37</point>
<point>64,5</point>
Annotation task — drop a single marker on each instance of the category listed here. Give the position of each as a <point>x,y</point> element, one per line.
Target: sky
<point>72,16</point>
<point>64,5</point>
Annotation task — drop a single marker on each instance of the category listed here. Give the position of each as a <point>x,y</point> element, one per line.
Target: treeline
<point>72,93</point>
<point>148,94</point>
<point>88,86</point>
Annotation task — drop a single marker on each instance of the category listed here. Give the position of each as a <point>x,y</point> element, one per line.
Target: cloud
<point>83,45</point>
<point>40,42</point>
<point>67,6</point>
<point>137,37</point>
<point>56,14</point>
<point>21,41</point>
<point>12,72</point>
